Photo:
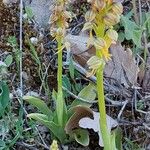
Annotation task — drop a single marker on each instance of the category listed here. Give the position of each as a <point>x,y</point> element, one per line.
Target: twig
<point>135,104</point>
<point>122,109</point>
<point>20,46</point>
<point>108,87</point>
<point>115,103</point>
<point>43,80</point>
<point>140,13</point>
<point>135,11</point>
<point>146,126</point>
<point>29,147</point>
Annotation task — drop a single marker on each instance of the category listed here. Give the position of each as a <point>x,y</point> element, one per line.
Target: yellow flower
<point>111,19</point>
<point>117,8</point>
<point>111,37</point>
<point>54,145</point>
<point>94,63</point>
<point>99,43</point>
<point>90,16</point>
<point>99,4</point>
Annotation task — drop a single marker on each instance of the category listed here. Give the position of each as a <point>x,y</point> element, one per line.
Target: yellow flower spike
<point>105,53</point>
<point>99,43</point>
<point>90,16</point>
<point>111,19</point>
<point>117,8</point>
<point>54,145</point>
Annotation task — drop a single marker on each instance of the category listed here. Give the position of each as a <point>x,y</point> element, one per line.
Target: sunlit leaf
<point>4,97</point>
<point>41,105</point>
<point>88,93</point>
<point>54,128</point>
<point>8,60</point>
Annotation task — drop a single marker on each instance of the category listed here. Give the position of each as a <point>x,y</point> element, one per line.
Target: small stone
<point>34,40</point>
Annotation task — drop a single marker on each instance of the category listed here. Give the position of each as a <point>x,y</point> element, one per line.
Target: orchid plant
<point>56,120</point>
<point>100,19</point>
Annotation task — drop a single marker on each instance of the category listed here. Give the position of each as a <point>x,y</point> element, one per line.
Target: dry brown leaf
<point>122,67</point>
<point>79,112</point>
<point>84,117</point>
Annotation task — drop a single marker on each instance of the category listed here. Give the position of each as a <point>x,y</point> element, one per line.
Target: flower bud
<point>99,4</point>
<point>117,8</point>
<point>99,43</point>
<point>113,35</point>
<point>60,32</point>
<point>53,31</point>
<point>95,62</point>
<point>53,18</point>
<point>90,16</point>
<point>111,19</point>
<point>67,15</point>
<point>87,26</point>
<point>54,145</point>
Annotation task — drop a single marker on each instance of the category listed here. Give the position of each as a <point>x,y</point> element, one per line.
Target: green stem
<point>59,73</point>
<point>60,102</point>
<point>102,110</point>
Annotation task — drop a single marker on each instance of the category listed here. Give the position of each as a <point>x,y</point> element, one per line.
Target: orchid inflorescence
<point>58,28</point>
<point>58,21</point>
<point>101,18</point>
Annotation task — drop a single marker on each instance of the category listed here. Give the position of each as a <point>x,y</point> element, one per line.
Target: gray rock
<point>40,10</point>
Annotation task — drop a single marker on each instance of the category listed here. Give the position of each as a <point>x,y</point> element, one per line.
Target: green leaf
<point>148,21</point>
<point>121,36</point>
<point>66,83</point>
<point>60,107</point>
<point>4,97</point>
<point>132,30</point>
<point>137,35</point>
<point>8,61</point>
<point>71,69</point>
<point>81,136</point>
<point>29,12</point>
<point>118,139</point>
<point>40,104</point>
<point>56,129</point>
<point>34,53</point>
<point>113,144</point>
<point>54,95</point>
<point>88,93</point>
<point>2,145</point>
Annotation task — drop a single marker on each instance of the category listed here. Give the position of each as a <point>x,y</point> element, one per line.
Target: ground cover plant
<point>74,74</point>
